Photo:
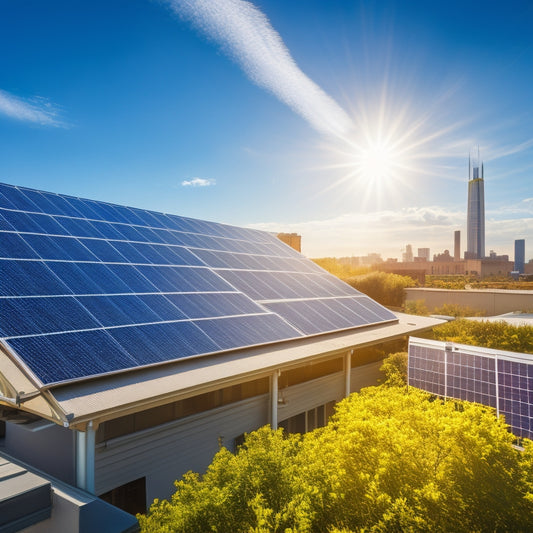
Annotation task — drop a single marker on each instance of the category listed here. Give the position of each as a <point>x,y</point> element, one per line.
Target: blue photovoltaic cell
<point>18,199</point>
<point>131,252</point>
<point>79,228</point>
<point>375,312</point>
<point>46,247</point>
<point>72,355</point>
<point>156,343</point>
<point>103,250</point>
<point>214,304</point>
<point>163,305</point>
<point>165,286</point>
<point>121,310</point>
<point>234,332</point>
<point>154,254</point>
<point>5,202</point>
<point>108,230</point>
<point>29,278</point>
<point>44,202</point>
<point>22,222</point>
<point>301,316</point>
<point>149,235</point>
<point>4,224</point>
<point>14,246</point>
<point>132,278</point>
<point>28,316</point>
<point>49,224</point>
<point>426,369</point>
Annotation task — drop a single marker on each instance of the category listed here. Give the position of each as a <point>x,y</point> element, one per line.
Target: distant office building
<point>457,246</point>
<point>443,257</point>
<point>520,255</point>
<point>423,254</point>
<point>407,256</point>
<point>292,239</point>
<point>476,209</point>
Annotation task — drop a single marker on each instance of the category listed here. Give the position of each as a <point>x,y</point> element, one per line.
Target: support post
<point>274,400</point>
<point>347,373</point>
<point>81,452</point>
<point>90,457</point>
<point>85,458</point>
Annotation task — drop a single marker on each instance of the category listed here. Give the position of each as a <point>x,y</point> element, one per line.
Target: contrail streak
<point>246,35</point>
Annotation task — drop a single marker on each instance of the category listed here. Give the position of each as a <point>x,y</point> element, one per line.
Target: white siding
<point>304,396</point>
<point>365,376</point>
<point>165,452</point>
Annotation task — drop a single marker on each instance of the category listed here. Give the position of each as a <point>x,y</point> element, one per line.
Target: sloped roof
<point>90,290</point>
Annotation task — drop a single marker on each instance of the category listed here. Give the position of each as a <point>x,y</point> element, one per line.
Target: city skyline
<point>351,126</point>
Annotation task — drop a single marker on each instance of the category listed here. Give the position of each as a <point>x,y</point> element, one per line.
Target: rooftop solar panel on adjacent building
<point>502,380</point>
<point>89,288</point>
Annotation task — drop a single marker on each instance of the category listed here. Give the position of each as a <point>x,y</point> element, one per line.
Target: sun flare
<point>376,161</point>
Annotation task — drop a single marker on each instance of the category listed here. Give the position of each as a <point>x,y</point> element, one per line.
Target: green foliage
<point>457,310</point>
<point>340,269</point>
<point>416,307</point>
<point>448,282</point>
<point>390,460</point>
<point>419,307</point>
<point>252,490</point>
<point>395,369</point>
<point>387,289</point>
<point>466,282</point>
<point>499,335</point>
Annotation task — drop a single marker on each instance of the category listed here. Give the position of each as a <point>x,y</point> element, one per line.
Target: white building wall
<point>164,453</point>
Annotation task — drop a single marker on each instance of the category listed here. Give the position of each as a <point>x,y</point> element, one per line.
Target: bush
<point>387,289</point>
<point>395,369</point>
<point>390,460</point>
<point>498,335</point>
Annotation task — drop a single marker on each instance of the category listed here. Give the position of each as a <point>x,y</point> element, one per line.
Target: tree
<point>387,289</point>
<point>390,460</point>
<point>395,369</point>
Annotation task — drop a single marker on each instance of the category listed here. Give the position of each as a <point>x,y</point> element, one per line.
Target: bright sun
<point>376,162</point>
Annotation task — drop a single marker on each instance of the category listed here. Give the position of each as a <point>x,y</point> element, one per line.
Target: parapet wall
<point>491,302</point>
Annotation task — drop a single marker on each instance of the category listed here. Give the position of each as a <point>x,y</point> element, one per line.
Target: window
<point>130,497</point>
<point>309,420</point>
<point>156,416</point>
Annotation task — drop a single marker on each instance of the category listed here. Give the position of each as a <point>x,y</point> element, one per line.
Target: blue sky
<point>348,122</point>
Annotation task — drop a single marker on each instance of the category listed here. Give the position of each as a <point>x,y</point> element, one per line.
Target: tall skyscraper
<point>457,245</point>
<point>519,255</point>
<point>475,224</point>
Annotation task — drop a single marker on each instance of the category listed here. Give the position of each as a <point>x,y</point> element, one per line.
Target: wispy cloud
<point>198,182</point>
<point>504,151</point>
<point>387,232</point>
<point>246,35</point>
<point>36,110</point>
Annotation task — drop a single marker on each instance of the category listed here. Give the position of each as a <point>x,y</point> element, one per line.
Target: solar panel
<point>89,288</point>
<point>487,377</point>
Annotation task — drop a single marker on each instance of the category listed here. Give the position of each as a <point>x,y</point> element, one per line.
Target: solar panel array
<point>89,288</point>
<point>488,379</point>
